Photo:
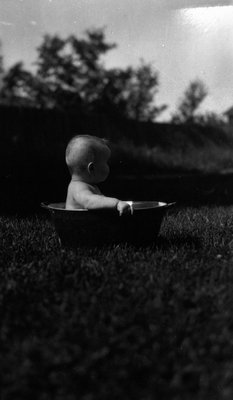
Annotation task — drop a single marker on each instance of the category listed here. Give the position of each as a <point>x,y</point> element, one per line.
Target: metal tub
<point>83,227</point>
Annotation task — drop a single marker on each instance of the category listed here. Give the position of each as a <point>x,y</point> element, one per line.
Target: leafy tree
<point>72,69</point>
<point>18,85</point>
<point>193,97</point>
<point>132,92</point>
<point>69,74</point>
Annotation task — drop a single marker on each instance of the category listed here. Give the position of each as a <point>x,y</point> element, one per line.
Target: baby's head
<point>87,158</point>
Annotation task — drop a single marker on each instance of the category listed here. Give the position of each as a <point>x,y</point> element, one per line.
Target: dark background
<point>33,142</point>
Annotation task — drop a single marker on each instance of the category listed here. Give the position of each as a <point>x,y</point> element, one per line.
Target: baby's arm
<point>93,201</point>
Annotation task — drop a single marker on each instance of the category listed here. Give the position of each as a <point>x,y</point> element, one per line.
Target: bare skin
<point>83,192</point>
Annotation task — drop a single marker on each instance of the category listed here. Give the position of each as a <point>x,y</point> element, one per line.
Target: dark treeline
<point>27,129</point>
<point>33,140</point>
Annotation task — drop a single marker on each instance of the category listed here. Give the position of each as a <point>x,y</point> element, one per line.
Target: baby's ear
<point>90,168</point>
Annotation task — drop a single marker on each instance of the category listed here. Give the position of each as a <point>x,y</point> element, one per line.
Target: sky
<point>183,39</point>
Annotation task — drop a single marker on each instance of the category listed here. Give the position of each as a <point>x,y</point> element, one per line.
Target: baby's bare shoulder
<point>82,187</point>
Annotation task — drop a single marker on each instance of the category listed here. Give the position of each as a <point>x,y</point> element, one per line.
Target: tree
<point>131,92</point>
<point>18,85</point>
<point>193,97</point>
<point>70,74</point>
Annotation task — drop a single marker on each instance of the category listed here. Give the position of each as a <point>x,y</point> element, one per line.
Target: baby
<point>87,159</point>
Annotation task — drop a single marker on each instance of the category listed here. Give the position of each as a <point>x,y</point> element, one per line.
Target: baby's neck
<point>78,178</point>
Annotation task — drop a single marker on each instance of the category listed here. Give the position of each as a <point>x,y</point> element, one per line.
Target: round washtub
<point>98,227</point>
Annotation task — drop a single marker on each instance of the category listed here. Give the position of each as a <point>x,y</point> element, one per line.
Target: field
<point>118,322</point>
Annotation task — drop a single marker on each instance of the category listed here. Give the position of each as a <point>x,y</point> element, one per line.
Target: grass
<point>118,322</point>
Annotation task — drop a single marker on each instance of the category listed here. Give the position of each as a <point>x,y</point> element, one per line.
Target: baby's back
<point>75,194</point>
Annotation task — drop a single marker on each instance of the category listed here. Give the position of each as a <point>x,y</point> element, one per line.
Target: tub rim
<point>60,206</point>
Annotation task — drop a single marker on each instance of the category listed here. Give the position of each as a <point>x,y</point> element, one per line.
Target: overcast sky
<point>184,39</point>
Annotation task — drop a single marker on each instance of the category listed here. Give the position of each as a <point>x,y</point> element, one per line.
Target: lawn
<point>118,322</point>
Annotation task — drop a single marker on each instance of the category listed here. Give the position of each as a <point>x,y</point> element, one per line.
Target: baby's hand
<point>123,207</point>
